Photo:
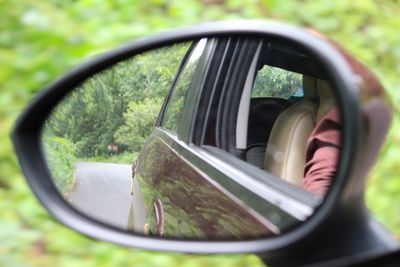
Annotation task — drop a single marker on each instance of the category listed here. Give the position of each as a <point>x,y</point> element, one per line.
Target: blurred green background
<point>40,40</point>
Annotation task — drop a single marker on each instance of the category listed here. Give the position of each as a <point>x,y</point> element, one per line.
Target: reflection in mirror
<point>262,113</point>
<point>96,132</point>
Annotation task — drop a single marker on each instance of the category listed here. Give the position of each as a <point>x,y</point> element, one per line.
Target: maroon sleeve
<point>323,147</point>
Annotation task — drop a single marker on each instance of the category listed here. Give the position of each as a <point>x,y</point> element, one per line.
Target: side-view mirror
<point>228,137</point>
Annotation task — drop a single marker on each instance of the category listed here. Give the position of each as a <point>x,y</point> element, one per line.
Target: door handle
<point>159,212</point>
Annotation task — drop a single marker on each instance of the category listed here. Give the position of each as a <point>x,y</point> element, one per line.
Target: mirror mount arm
<point>355,237</point>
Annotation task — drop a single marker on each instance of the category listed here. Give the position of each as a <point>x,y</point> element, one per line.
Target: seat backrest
<point>262,114</point>
<point>286,146</point>
<point>285,153</point>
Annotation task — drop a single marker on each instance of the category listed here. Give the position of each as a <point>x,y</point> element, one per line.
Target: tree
<point>139,121</point>
<point>91,116</point>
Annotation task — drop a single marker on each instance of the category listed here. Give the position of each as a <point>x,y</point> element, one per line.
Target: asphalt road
<point>102,191</point>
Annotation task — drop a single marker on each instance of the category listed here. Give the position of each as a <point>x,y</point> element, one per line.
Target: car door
<point>190,174</point>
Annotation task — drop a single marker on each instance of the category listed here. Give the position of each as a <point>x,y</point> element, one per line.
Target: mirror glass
<point>217,139</point>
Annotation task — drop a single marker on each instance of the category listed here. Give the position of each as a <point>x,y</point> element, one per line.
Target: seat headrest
<point>310,88</point>
<point>326,98</point>
<point>317,89</point>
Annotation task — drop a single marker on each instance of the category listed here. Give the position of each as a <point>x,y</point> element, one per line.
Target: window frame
<point>161,114</point>
<point>192,93</point>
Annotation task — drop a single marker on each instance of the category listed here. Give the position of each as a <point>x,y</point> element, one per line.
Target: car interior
<point>277,127</point>
<point>281,98</point>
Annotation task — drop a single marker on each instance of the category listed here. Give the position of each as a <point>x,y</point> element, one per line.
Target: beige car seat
<point>285,153</point>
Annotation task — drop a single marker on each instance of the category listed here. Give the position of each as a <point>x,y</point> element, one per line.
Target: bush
<point>61,158</point>
<point>138,124</point>
<point>123,158</point>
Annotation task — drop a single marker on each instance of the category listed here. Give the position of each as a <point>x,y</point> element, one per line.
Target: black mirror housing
<point>342,219</point>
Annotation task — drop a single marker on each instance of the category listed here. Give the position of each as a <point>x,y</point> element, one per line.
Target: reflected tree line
<point>111,113</point>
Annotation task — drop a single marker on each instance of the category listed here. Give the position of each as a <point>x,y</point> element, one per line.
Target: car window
<point>274,90</point>
<point>275,82</point>
<point>175,106</point>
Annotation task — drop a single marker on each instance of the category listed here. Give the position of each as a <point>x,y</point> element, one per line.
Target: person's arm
<point>323,148</point>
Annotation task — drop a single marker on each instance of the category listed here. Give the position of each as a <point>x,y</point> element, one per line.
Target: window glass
<point>273,91</point>
<point>174,110</point>
<point>276,82</point>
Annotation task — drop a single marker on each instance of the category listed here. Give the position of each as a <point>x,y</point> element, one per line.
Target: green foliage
<point>118,106</point>
<point>61,158</point>
<point>383,195</point>
<point>138,123</point>
<point>40,40</point>
<point>275,82</point>
<point>125,157</point>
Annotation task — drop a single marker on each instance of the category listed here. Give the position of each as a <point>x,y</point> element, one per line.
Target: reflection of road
<point>102,191</point>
